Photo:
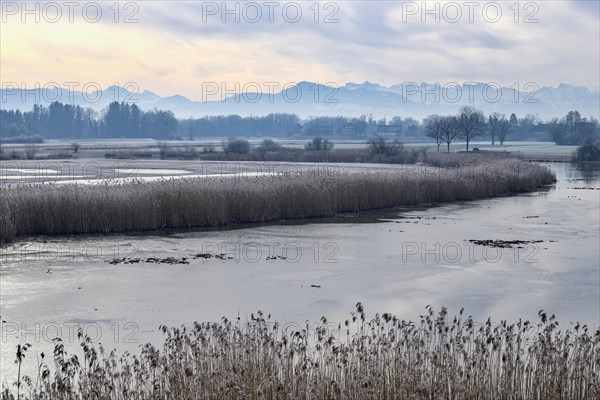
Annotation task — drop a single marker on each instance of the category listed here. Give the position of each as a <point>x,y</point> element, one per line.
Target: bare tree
<point>268,146</point>
<point>319,144</point>
<point>236,146</point>
<point>164,148</point>
<point>380,146</point>
<point>449,127</point>
<point>471,123</point>
<point>504,127</point>
<point>433,129</point>
<point>494,125</point>
<point>191,128</point>
<point>30,151</point>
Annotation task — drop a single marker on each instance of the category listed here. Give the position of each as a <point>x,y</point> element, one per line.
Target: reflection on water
<point>589,171</point>
<point>394,261</point>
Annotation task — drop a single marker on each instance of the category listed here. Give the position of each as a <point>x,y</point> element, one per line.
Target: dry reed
<point>383,358</point>
<point>186,203</point>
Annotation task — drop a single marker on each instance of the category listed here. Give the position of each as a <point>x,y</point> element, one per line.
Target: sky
<point>183,47</point>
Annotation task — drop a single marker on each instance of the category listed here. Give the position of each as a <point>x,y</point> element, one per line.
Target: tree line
<point>58,121</point>
<point>66,121</point>
<point>470,123</point>
<point>275,124</point>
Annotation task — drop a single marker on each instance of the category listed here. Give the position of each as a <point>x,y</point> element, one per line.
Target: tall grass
<point>437,357</point>
<point>185,203</point>
<point>287,154</point>
<point>389,154</point>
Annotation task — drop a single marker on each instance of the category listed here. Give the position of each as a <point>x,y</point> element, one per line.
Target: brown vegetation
<point>438,357</point>
<point>186,203</point>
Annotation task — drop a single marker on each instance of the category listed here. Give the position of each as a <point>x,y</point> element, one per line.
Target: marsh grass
<point>438,357</point>
<point>186,203</point>
<point>385,154</point>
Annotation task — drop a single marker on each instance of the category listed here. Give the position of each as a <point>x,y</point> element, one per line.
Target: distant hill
<point>353,99</point>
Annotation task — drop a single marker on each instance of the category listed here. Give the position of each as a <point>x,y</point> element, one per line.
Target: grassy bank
<point>186,203</point>
<point>438,357</point>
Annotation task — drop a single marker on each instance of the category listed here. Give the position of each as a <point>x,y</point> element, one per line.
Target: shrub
<point>163,149</point>
<point>141,154</point>
<point>588,151</point>
<point>188,153</point>
<point>210,149</point>
<point>269,145</point>
<point>236,146</point>
<point>319,144</point>
<point>378,145</point>
<point>16,155</point>
<point>57,155</point>
<point>30,151</point>
<point>124,154</point>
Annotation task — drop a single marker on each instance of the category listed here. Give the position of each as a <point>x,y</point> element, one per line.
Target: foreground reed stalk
<point>186,203</point>
<point>382,358</point>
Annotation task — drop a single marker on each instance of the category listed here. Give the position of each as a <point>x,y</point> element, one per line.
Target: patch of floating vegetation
<point>505,243</point>
<point>206,256</point>
<point>174,260</point>
<point>183,260</point>
<point>154,260</point>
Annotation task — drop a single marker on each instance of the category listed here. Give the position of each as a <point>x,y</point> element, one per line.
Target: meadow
<point>437,357</point>
<point>134,206</point>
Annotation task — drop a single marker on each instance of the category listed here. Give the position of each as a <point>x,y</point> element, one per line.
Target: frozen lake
<point>396,261</point>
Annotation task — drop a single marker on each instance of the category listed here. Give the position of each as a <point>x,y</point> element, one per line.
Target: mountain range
<point>353,99</point>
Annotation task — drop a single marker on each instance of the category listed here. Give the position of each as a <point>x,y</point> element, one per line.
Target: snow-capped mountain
<point>352,99</point>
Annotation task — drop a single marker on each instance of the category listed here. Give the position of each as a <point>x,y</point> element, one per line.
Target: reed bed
<point>287,154</point>
<point>185,203</point>
<point>455,160</point>
<point>438,357</point>
<point>397,156</point>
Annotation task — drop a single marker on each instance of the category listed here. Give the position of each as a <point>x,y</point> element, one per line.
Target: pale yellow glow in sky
<point>155,60</point>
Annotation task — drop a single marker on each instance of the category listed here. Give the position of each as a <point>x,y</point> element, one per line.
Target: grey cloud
<point>367,42</point>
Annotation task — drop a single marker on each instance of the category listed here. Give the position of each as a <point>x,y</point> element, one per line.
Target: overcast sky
<point>175,47</point>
